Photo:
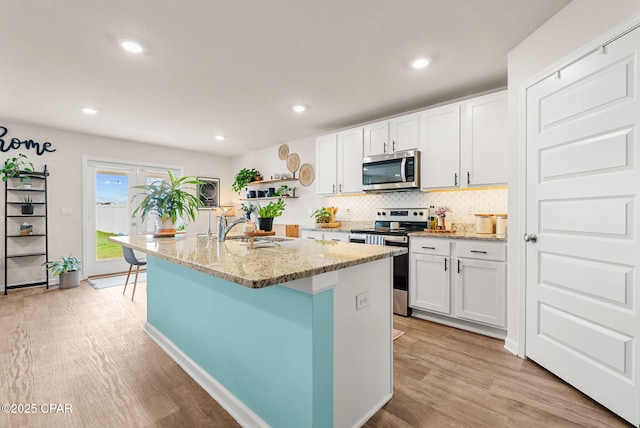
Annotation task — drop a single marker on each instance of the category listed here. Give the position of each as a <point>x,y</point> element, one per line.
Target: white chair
<point>131,258</point>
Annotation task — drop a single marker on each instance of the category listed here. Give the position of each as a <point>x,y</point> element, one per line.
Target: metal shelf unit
<point>9,239</point>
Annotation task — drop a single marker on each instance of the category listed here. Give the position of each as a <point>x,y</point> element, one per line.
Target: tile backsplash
<point>464,203</point>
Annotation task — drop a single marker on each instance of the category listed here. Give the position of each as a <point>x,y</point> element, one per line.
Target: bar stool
<point>131,258</point>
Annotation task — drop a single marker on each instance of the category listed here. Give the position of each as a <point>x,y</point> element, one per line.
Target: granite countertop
<point>280,262</point>
<point>460,235</point>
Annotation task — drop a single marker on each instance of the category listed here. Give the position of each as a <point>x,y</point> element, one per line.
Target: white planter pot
<point>70,279</point>
<point>166,226</point>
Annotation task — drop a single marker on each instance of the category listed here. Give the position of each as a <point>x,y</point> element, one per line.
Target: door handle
<point>479,252</point>
<point>393,146</point>
<point>455,179</point>
<point>468,177</point>
<point>340,187</point>
<point>429,248</point>
<point>445,264</point>
<point>530,238</point>
<point>334,188</point>
<point>459,266</point>
<point>384,147</point>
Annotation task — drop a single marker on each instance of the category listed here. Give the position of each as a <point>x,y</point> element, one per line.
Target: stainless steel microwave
<point>395,171</point>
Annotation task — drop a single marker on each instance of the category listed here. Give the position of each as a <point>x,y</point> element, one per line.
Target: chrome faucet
<point>223,229</point>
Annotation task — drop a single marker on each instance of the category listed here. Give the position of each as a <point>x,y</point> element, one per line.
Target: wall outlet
<point>362,300</point>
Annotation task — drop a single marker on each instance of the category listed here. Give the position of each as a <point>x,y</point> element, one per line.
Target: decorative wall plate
<point>293,162</point>
<point>283,151</point>
<point>306,174</point>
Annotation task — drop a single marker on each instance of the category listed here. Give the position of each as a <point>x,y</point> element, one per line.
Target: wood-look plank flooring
<point>86,348</point>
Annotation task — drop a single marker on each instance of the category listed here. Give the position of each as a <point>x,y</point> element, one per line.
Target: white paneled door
<point>583,248</point>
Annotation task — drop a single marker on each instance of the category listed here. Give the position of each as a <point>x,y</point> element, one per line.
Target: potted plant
<point>244,177</point>
<point>248,209</point>
<point>267,213</point>
<point>27,205</point>
<point>168,200</point>
<point>13,167</point>
<point>324,216</point>
<point>68,268</point>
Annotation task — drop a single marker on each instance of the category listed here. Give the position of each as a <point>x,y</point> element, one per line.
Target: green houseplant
<point>27,205</point>
<point>13,166</point>
<point>267,213</point>
<point>322,215</point>
<point>248,209</point>
<point>168,200</point>
<point>244,177</point>
<point>68,268</point>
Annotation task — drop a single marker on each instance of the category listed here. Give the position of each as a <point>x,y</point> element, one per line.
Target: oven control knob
<point>415,213</point>
<point>378,213</point>
<point>384,213</point>
<point>421,213</point>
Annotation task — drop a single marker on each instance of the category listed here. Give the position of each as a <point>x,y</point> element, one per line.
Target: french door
<point>109,208</point>
<point>583,225</point>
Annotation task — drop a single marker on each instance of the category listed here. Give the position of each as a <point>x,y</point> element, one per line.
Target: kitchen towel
<point>374,239</point>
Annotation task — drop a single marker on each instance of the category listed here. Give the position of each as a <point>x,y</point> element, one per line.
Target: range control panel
<point>402,214</point>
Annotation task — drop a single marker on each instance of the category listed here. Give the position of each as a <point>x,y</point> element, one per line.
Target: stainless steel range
<point>391,227</point>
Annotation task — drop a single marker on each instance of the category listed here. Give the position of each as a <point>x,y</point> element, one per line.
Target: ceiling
<point>236,67</point>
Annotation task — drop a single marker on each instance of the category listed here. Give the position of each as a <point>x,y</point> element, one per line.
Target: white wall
<point>266,161</point>
<point>65,180</point>
<point>580,22</point>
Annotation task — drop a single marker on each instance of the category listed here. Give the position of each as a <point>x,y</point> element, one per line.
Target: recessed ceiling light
<point>419,63</point>
<point>299,108</point>
<point>131,45</point>
<point>89,110</point>
<point>220,137</point>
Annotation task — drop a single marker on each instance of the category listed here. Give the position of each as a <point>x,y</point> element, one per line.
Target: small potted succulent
<point>68,268</point>
<point>267,213</point>
<point>248,209</point>
<point>27,205</point>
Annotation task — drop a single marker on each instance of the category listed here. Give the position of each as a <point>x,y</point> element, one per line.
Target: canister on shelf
<point>501,224</point>
<point>484,223</point>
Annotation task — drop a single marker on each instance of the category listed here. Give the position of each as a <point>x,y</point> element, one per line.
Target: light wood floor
<point>86,348</point>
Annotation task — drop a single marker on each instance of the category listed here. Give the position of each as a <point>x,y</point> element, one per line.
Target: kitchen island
<point>295,334</point>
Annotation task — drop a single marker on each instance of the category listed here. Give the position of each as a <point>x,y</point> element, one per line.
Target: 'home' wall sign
<point>15,143</point>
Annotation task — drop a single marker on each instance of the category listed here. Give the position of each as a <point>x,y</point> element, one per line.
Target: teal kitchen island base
<point>296,354</point>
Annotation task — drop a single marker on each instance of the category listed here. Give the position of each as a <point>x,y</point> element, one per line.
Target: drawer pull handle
<point>429,248</point>
<point>478,252</point>
<point>334,239</point>
<point>459,266</point>
<point>445,264</point>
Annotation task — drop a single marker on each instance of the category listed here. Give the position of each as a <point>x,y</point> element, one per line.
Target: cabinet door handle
<point>478,252</point>
<point>455,179</point>
<point>393,146</point>
<point>340,187</point>
<point>445,264</point>
<point>468,177</point>
<point>384,145</point>
<point>459,266</point>
<point>333,186</point>
<point>429,248</point>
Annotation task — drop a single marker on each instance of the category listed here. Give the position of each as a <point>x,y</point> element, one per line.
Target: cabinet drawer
<point>441,247</point>
<point>481,250</point>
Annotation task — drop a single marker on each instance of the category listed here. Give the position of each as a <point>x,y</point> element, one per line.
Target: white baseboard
<point>511,346</point>
<point>236,408</point>
<point>461,324</point>
<point>375,409</point>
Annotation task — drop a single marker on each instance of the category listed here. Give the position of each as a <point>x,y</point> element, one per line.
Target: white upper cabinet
<point>376,138</point>
<point>465,144</point>
<point>440,147</point>
<point>404,132</point>
<point>339,163</point>
<point>326,164</point>
<point>350,161</point>
<point>484,140</point>
<point>400,133</point>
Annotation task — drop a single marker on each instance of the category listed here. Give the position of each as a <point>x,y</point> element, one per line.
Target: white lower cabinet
<point>326,236</point>
<point>430,283</point>
<point>460,279</point>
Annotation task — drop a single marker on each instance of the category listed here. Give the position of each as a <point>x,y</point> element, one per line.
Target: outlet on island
<point>362,300</point>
